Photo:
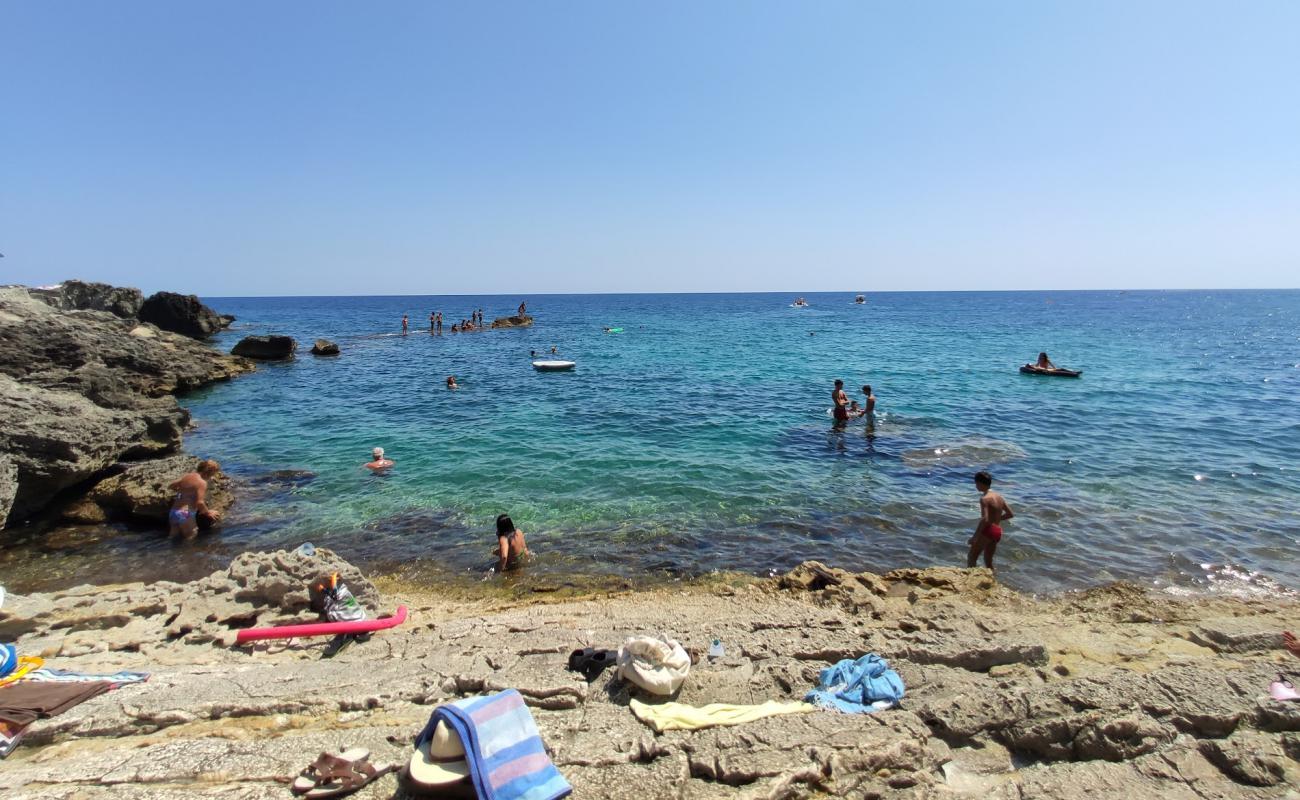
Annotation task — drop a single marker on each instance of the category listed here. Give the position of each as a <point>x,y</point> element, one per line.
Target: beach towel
<point>11,733</point>
<point>23,665</point>
<point>659,666</point>
<point>8,659</point>
<point>23,703</point>
<point>68,676</point>
<point>505,754</point>
<point>681,717</point>
<point>858,687</point>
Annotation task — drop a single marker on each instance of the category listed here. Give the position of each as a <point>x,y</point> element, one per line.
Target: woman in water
<point>451,382</point>
<point>1044,362</point>
<point>511,547</point>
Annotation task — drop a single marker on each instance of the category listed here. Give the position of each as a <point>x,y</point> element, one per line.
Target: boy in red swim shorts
<point>993,512</point>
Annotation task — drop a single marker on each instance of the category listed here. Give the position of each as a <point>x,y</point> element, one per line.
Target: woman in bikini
<point>511,547</point>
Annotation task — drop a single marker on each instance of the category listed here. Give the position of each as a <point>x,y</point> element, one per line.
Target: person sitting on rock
<point>190,502</point>
<point>379,461</point>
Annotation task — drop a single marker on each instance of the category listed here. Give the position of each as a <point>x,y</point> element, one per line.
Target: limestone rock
<point>89,296</point>
<point>140,491</point>
<point>515,321</point>
<point>181,313</point>
<point>324,347</point>
<point>1250,758</point>
<point>8,486</point>
<point>266,348</point>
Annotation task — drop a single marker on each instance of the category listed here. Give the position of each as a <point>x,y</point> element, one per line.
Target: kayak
<point>1030,369</point>
<point>322,628</point>
<point>555,365</point>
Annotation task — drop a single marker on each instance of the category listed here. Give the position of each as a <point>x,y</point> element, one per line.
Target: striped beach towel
<point>68,676</point>
<point>506,757</point>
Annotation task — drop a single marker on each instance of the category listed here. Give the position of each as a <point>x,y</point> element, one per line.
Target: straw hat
<point>438,765</point>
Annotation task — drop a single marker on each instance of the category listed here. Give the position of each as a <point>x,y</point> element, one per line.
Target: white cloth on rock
<point>657,665</point>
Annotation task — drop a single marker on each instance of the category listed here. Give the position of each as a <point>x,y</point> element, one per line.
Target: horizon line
<point>773,292</point>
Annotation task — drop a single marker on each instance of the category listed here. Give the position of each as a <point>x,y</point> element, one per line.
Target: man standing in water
<point>190,502</point>
<point>439,323</point>
<point>841,400</point>
<point>405,323</point>
<point>869,407</point>
<point>993,512</point>
<point>432,320</point>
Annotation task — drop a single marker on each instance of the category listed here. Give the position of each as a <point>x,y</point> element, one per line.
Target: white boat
<point>553,365</point>
<point>799,303</point>
<point>862,298</point>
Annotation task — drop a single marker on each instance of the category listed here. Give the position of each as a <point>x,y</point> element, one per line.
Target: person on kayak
<point>1044,362</point>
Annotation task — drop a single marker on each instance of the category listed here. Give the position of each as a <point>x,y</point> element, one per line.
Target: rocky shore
<point>88,378</point>
<point>1108,693</point>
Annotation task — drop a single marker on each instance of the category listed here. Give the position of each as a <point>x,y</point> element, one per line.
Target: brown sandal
<point>335,776</point>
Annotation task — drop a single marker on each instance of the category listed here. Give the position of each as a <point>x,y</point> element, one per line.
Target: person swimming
<point>379,461</point>
<point>511,547</point>
<point>451,382</point>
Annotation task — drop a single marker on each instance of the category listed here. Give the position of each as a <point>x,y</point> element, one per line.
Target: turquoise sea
<point>698,439</point>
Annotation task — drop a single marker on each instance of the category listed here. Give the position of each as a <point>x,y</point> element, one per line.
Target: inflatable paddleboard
<point>553,365</point>
<point>1030,369</point>
<point>322,628</point>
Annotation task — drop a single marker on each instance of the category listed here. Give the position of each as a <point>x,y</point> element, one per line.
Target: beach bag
<point>659,666</point>
<point>337,601</point>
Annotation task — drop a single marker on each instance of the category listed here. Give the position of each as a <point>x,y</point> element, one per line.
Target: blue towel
<point>68,676</point>
<point>506,757</point>
<point>852,686</point>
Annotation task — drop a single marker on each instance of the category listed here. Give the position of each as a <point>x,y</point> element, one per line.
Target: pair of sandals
<point>338,775</point>
<point>1283,689</point>
<point>591,662</point>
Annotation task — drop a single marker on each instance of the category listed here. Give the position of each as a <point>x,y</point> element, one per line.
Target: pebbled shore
<point>1107,693</point>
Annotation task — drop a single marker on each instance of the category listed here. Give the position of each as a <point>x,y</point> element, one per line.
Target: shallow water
<point>698,439</point>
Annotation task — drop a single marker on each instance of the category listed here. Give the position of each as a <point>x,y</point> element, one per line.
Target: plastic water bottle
<point>306,549</point>
<point>716,649</point>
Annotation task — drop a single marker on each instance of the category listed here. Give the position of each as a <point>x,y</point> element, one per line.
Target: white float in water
<point>553,365</point>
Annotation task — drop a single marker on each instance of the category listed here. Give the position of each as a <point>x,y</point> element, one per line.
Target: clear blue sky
<point>248,148</point>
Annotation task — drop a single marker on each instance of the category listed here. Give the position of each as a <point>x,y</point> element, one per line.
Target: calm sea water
<point>699,439</point>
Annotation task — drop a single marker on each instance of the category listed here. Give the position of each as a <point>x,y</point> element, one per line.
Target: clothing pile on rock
<point>657,665</point>
<point>29,691</point>
<point>858,687</point>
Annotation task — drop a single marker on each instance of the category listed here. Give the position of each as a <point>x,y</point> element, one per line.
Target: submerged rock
<point>180,313</point>
<point>324,347</point>
<point>515,321</point>
<point>266,348</point>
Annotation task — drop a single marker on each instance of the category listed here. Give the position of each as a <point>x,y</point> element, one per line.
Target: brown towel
<point>26,701</point>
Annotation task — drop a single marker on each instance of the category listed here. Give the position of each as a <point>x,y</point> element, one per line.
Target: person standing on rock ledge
<point>190,503</point>
<point>405,323</point>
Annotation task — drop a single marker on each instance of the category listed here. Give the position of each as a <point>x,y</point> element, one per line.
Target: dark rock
<point>85,390</point>
<point>324,347</point>
<point>86,296</point>
<point>512,322</point>
<point>180,313</point>
<point>140,492</point>
<point>227,320</point>
<point>266,348</point>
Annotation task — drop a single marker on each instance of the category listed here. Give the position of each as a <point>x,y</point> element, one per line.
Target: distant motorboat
<point>799,302</point>
<point>860,299</point>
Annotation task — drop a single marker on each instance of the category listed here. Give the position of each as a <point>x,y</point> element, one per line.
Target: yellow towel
<point>25,665</point>
<point>681,717</point>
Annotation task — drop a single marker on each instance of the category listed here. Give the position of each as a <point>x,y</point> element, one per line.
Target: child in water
<point>993,512</point>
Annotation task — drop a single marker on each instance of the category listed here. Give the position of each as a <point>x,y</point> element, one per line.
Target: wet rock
<point>266,348</point>
<point>324,347</point>
<point>515,321</point>
<point>76,295</point>
<point>141,491</point>
<point>180,313</point>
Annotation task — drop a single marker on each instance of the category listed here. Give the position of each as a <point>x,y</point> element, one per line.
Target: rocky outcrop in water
<point>1109,693</point>
<point>324,347</point>
<point>183,314</point>
<point>515,321</point>
<point>84,390</point>
<point>266,348</point>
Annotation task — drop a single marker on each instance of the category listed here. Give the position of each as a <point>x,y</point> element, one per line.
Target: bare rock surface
<point>1080,705</point>
<point>265,348</point>
<point>77,295</point>
<point>515,321</point>
<point>82,390</point>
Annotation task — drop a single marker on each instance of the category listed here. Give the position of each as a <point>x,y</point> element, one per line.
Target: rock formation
<point>139,492</point>
<point>81,391</point>
<point>181,313</point>
<point>89,296</point>
<point>266,348</point>
<point>1090,696</point>
<point>515,321</point>
<point>324,347</point>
